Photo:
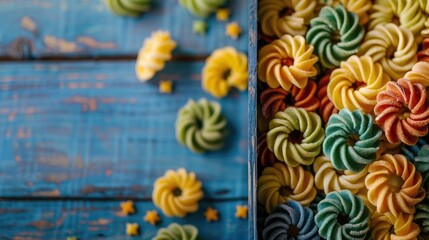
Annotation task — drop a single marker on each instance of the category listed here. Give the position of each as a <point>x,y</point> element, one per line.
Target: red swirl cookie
<point>326,107</point>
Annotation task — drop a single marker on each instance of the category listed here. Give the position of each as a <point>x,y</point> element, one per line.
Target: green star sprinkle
<point>199,27</point>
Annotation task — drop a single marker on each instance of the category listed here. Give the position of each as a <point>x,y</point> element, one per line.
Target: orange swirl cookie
<point>402,111</point>
<point>328,179</point>
<point>356,83</point>
<point>287,62</point>
<point>419,74</point>
<point>280,17</point>
<point>277,99</point>
<point>177,193</point>
<point>387,226</point>
<point>394,185</point>
<point>281,183</point>
<point>326,108</point>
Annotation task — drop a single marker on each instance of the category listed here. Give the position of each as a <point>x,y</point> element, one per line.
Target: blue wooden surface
<point>40,28</point>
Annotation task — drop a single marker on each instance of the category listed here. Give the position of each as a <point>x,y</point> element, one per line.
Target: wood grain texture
<point>91,129</point>
<point>55,220</point>
<point>76,28</point>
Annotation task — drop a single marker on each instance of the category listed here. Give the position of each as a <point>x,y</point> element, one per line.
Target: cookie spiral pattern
<point>393,47</point>
<point>290,220</point>
<point>328,179</point>
<point>224,69</point>
<point>296,136</point>
<point>335,35</point>
<point>341,215</point>
<point>200,126</point>
<point>277,99</point>
<point>402,111</point>
<point>266,158</point>
<point>359,7</point>
<point>177,193</point>
<point>422,165</point>
<point>406,14</point>
<point>280,17</point>
<point>394,185</point>
<point>131,8</point>
<point>352,140</point>
<point>326,108</point>
<point>411,152</point>
<point>281,183</point>
<point>422,218</point>
<point>388,226</point>
<point>156,51</point>
<point>419,74</point>
<point>287,62</point>
<point>356,84</point>
<point>201,8</point>
<point>174,232</point>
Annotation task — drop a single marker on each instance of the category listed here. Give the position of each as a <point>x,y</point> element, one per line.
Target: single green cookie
<point>201,8</point>
<point>175,232</point>
<point>200,126</point>
<point>131,8</point>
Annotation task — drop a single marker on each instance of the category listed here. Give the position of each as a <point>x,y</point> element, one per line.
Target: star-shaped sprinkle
<point>241,211</point>
<point>222,14</point>
<point>127,207</point>
<point>132,229</point>
<point>152,217</point>
<point>71,238</point>
<point>233,30</point>
<point>211,214</point>
<point>166,86</point>
<point>199,27</point>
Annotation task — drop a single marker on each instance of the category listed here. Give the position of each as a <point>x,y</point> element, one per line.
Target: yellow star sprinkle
<point>71,238</point>
<point>152,217</point>
<point>166,86</point>
<point>241,211</point>
<point>132,229</point>
<point>233,30</point>
<point>211,214</point>
<point>127,207</point>
<point>222,14</point>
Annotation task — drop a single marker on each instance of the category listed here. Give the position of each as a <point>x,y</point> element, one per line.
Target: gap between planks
<point>92,58</point>
<point>107,199</point>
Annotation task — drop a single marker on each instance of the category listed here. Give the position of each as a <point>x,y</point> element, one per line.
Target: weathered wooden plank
<point>102,220</point>
<point>41,28</point>
<point>91,129</point>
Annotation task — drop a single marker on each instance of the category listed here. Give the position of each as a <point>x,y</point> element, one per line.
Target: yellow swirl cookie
<point>286,62</point>
<point>177,193</point>
<point>393,47</point>
<point>359,7</point>
<point>280,17</point>
<point>280,183</point>
<point>328,179</point>
<point>356,83</point>
<point>419,74</point>
<point>387,226</point>
<point>152,56</point>
<point>225,68</point>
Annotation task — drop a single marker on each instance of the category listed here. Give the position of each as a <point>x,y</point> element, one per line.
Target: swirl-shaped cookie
<point>411,151</point>
<point>356,84</point>
<point>404,13</point>
<point>201,8</point>
<point>287,62</point>
<point>266,158</point>
<point>177,193</point>
<point>131,8</point>
<point>274,100</point>
<point>326,108</point>
<point>387,226</point>
<point>402,111</point>
<point>200,126</point>
<point>422,218</point>
<point>174,232</point>
<point>280,183</point>
<point>393,47</point>
<point>328,179</point>
<point>359,7</point>
<point>341,215</point>
<point>394,185</point>
<point>152,56</point>
<point>419,74</point>
<point>335,35</point>
<point>280,17</point>
<point>290,220</point>
<point>225,68</point>
<point>422,165</point>
<point>296,136</point>
<point>352,140</point>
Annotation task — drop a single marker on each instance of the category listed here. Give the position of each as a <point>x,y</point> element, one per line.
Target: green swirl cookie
<point>296,136</point>
<point>131,8</point>
<point>352,140</point>
<point>201,8</point>
<point>174,232</point>
<point>335,35</point>
<point>422,165</point>
<point>200,126</point>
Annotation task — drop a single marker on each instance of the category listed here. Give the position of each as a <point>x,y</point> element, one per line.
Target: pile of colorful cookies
<point>343,108</point>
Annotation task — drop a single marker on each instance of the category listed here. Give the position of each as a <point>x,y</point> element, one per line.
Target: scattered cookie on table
<point>130,8</point>
<point>152,217</point>
<point>201,8</point>
<point>127,207</point>
<point>176,231</point>
<point>132,229</point>
<point>211,214</point>
<point>233,30</point>
<point>241,211</point>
